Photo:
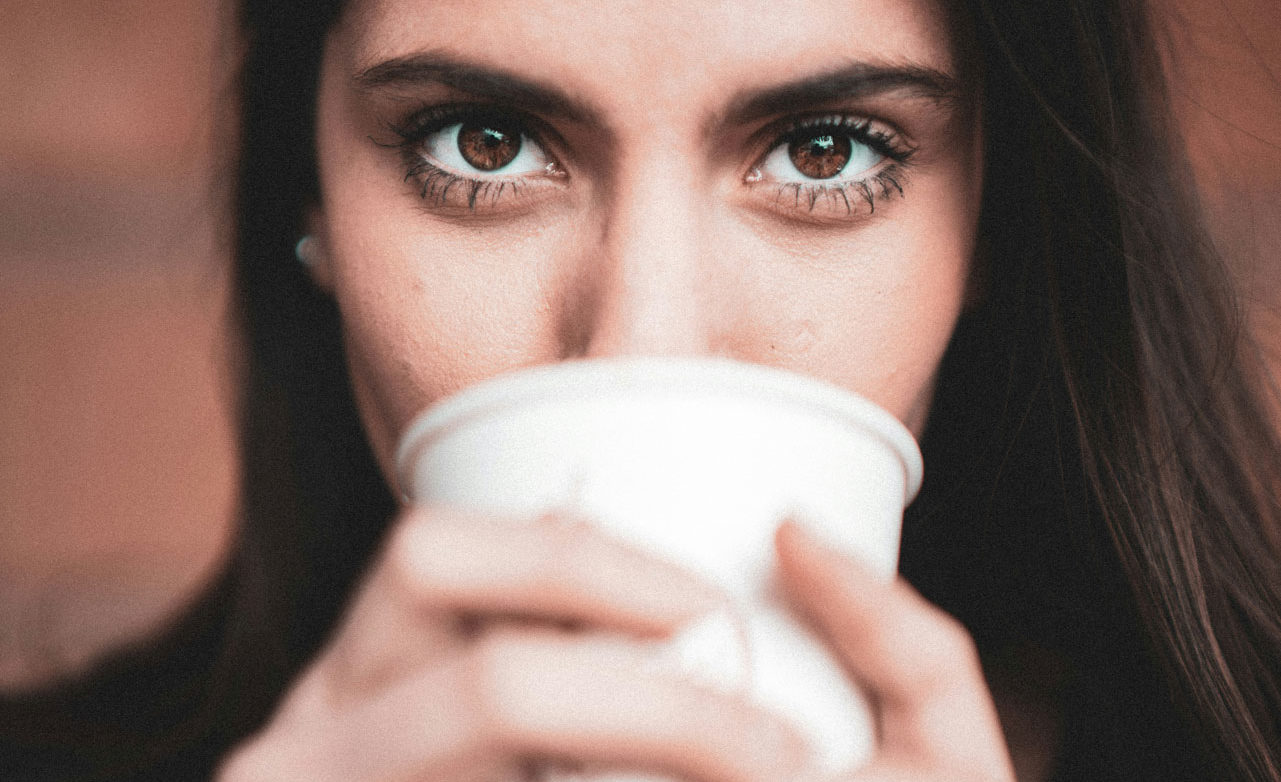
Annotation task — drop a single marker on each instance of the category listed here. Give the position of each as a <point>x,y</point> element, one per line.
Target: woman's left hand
<point>917,665</point>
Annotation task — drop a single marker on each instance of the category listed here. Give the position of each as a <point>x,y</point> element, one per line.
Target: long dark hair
<point>1099,460</point>
<point>1102,481</point>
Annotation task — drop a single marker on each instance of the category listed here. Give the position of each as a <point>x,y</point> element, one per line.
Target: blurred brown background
<point>117,465</point>
<point>116,454</point>
<point>1226,81</point>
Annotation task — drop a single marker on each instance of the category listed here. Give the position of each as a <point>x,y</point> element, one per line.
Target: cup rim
<point>621,376</point>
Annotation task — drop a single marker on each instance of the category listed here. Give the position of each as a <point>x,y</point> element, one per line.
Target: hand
<point>456,661</point>
<point>917,665</point>
<point>455,664</point>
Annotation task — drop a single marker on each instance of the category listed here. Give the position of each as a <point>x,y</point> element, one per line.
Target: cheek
<point>432,312</point>
<point>915,288</point>
<point>873,313</point>
<point>428,310</point>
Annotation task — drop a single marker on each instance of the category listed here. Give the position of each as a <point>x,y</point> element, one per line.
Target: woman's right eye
<point>478,149</point>
<point>469,158</point>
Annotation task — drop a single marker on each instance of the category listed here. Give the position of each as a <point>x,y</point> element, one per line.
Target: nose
<point>643,288</point>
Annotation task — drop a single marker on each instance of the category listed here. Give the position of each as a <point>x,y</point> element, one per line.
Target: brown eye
<point>821,156</point>
<point>488,146</point>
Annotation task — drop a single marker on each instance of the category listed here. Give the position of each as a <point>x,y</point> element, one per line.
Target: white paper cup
<point>696,460</point>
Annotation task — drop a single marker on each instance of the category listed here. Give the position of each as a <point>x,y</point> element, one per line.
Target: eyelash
<point>882,184</point>
<point>435,183</point>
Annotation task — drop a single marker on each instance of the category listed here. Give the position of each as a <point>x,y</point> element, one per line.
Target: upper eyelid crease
<point>509,92</point>
<point>861,128</point>
<point>495,85</point>
<point>855,81</point>
<point>414,130</point>
<point>849,82</point>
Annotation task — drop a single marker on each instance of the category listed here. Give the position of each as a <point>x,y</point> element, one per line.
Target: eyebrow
<point>853,81</point>
<point>497,85</point>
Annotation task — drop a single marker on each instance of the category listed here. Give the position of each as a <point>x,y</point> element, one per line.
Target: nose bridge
<point>647,292</point>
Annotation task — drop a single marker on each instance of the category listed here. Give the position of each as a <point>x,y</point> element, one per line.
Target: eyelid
<point>458,191</point>
<point>842,198</point>
<point>450,189</point>
<point>422,123</point>
<point>443,149</point>
<point>882,137</point>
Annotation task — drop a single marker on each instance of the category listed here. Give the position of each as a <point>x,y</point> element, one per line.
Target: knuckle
<point>555,569</point>
<point>403,549</point>
<point>236,767</point>
<point>418,553</point>
<point>319,688</point>
<point>956,640</point>
<point>252,761</point>
<point>947,652</point>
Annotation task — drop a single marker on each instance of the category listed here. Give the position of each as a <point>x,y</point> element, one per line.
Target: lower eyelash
<point>880,186</point>
<point>435,184</point>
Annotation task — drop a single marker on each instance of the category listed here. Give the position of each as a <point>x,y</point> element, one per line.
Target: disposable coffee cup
<point>697,461</point>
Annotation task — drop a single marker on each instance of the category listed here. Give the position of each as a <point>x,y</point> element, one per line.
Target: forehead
<point>602,48</point>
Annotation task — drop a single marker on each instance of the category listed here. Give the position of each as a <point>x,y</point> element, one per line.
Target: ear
<point>312,251</point>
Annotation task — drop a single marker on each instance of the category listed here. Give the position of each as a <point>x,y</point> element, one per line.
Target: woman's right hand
<point>476,645</point>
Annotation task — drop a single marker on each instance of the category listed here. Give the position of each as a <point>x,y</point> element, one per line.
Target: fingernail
<point>795,536</point>
<point>799,545</point>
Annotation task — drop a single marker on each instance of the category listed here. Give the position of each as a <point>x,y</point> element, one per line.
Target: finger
<point>899,769</point>
<point>441,565</point>
<point>545,695</point>
<point>555,568</point>
<point>918,664</point>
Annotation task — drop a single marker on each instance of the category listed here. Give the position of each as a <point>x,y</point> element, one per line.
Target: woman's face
<point>512,183</point>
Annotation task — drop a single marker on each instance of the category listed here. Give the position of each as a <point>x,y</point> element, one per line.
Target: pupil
<point>820,156</point>
<point>488,146</point>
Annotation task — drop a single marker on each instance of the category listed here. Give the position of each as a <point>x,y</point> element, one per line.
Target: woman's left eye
<point>478,148</point>
<point>832,166</point>
<point>818,155</point>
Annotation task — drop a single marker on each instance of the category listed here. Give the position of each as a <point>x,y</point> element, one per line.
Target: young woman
<point>972,213</point>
